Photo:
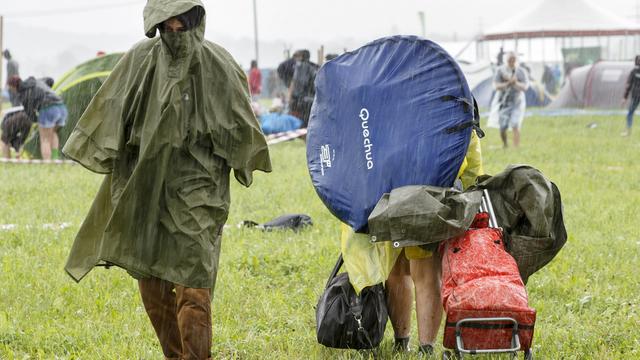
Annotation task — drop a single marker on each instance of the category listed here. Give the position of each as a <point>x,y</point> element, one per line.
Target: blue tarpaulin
<point>273,123</point>
<point>398,111</point>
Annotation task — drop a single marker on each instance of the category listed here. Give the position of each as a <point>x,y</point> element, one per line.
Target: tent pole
<point>255,30</point>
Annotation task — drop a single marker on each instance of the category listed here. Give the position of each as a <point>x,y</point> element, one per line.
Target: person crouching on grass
<point>15,129</point>
<point>44,106</point>
<point>167,126</point>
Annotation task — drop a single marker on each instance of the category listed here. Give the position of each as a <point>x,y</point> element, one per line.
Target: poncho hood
<point>157,11</point>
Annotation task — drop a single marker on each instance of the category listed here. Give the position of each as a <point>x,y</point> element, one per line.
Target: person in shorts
<point>44,106</point>
<point>511,82</point>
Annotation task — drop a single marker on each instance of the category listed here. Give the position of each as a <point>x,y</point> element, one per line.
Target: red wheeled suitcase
<point>483,295</point>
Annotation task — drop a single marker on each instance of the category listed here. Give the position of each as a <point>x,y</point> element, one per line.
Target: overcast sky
<point>286,18</point>
<point>281,23</point>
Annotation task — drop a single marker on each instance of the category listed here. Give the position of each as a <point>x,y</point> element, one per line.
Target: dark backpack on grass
<point>295,222</point>
<point>345,320</point>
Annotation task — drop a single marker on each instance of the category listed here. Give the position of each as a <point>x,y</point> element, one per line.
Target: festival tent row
<point>77,87</point>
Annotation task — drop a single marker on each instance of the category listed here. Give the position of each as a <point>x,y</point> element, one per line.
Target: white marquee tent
<point>541,32</point>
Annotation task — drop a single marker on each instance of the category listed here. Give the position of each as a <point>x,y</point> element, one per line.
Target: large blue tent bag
<point>396,112</point>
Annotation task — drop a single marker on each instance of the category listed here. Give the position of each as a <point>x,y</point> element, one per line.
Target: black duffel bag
<point>345,320</point>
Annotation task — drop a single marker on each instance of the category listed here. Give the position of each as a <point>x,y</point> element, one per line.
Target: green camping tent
<point>77,87</point>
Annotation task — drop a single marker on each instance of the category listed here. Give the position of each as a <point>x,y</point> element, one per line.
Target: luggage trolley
<point>501,323</point>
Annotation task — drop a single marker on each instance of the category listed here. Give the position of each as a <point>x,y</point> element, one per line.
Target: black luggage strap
<point>356,309</point>
<point>335,270</point>
<point>475,122</point>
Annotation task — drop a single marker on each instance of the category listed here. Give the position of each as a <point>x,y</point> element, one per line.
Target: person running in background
<point>633,89</point>
<point>44,106</point>
<point>13,69</point>
<point>511,82</point>
<point>255,81</point>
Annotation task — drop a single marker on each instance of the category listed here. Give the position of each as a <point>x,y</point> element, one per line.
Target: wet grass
<point>587,298</point>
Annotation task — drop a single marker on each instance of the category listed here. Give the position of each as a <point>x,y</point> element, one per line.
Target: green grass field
<point>268,285</point>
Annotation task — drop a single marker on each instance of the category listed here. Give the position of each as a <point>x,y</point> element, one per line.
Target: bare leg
<point>426,277</point>
<point>399,298</point>
<point>45,142</point>
<point>55,141</point>
<point>516,137</point>
<point>503,136</point>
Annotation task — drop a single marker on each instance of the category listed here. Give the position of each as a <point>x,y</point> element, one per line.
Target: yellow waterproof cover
<point>367,263</point>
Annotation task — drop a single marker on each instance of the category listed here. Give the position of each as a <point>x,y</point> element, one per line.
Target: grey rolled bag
<point>422,215</point>
<point>527,206</point>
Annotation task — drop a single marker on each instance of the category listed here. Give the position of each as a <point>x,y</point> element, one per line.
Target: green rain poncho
<point>166,127</point>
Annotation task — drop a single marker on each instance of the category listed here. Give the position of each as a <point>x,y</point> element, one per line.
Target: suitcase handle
<point>515,339</point>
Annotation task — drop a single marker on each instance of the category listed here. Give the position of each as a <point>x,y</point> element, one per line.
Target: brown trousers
<point>181,317</point>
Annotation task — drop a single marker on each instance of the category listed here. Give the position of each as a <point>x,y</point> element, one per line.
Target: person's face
<point>173,25</point>
<point>511,61</point>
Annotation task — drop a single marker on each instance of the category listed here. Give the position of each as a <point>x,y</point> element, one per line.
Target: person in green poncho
<point>166,128</point>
